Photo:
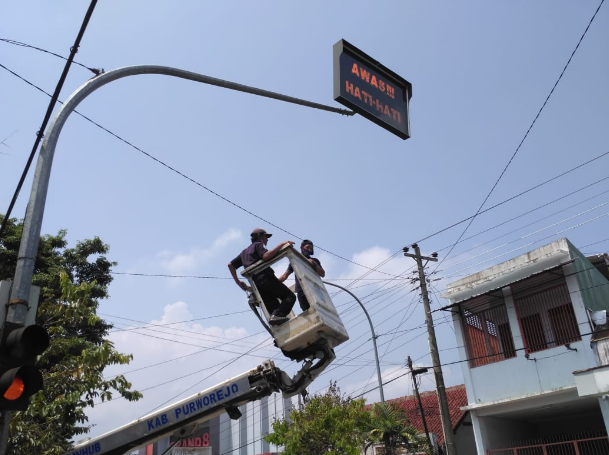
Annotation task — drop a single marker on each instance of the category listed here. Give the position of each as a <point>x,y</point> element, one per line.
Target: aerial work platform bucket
<point>318,327</point>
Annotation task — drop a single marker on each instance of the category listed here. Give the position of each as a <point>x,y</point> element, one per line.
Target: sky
<point>480,72</point>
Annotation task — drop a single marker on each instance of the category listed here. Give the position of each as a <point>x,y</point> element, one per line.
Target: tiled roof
<point>457,399</point>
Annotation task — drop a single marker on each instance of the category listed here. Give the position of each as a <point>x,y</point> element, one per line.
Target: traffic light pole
<point>433,351</point>
<point>32,223</point>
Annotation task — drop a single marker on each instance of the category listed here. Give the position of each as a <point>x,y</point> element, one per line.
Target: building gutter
<point>488,404</point>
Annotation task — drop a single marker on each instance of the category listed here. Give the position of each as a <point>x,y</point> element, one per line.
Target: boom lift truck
<point>309,337</point>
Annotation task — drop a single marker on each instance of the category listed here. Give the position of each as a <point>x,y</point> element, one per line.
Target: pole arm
<point>35,209</point>
<point>376,354</point>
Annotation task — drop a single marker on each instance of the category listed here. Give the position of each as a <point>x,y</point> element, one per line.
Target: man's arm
<point>285,275</point>
<point>270,254</point>
<point>318,268</point>
<point>233,272</point>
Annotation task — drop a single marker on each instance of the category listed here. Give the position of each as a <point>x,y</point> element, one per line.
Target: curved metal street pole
<point>376,354</point>
<point>32,224</point>
<point>35,210</point>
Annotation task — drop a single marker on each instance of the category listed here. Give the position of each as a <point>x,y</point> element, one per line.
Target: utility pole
<point>414,373</point>
<point>433,349</point>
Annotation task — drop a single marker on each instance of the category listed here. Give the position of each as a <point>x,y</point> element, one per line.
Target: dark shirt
<point>297,287</point>
<point>251,255</point>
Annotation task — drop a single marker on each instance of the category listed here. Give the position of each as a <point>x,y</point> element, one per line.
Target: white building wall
<point>550,369</point>
<point>490,431</point>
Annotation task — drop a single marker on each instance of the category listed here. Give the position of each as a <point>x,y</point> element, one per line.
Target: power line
<point>513,197</point>
<point>95,71</point>
<point>524,236</point>
<point>524,138</point>
<point>530,243</point>
<point>47,115</point>
<point>184,375</point>
<point>527,225</point>
<point>182,334</point>
<point>537,208</point>
<point>208,376</point>
<point>165,275</point>
<point>204,277</point>
<point>177,322</point>
<point>216,348</point>
<point>590,244</point>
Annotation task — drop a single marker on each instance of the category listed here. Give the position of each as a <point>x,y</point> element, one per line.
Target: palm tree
<point>389,425</point>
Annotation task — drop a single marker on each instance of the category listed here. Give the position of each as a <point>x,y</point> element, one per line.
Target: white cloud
<point>181,263</point>
<point>371,258</point>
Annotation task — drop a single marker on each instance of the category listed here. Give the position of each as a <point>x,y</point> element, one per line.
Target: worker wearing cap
<point>277,297</point>
<point>307,250</point>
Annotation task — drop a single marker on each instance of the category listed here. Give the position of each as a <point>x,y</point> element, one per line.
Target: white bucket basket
<point>319,324</point>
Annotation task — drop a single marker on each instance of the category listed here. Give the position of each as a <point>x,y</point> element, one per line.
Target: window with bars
<point>486,330</point>
<point>546,316</point>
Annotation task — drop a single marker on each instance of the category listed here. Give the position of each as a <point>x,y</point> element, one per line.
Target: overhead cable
<point>49,111</point>
<point>524,138</point>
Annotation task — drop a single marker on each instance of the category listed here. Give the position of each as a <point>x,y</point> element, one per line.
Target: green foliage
<point>329,424</point>
<point>85,263</point>
<point>72,280</point>
<point>389,426</point>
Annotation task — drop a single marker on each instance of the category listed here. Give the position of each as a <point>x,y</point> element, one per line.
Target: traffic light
<point>19,378</point>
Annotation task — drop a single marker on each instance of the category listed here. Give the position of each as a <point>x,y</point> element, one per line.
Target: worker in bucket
<point>277,297</point>
<point>307,250</point>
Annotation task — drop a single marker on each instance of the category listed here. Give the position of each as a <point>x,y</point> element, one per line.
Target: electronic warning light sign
<point>372,90</point>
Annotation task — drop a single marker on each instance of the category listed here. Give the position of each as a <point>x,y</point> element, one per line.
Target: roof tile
<point>457,398</point>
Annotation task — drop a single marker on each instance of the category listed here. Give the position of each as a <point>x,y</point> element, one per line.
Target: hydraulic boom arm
<point>181,418</point>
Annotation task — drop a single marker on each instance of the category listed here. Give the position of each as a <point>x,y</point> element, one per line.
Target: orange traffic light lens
<point>15,390</point>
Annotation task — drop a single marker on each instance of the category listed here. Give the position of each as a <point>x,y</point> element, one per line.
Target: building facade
<point>529,334</point>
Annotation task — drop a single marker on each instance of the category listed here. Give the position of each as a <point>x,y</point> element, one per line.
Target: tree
<point>329,424</point>
<point>72,281</point>
<point>389,426</point>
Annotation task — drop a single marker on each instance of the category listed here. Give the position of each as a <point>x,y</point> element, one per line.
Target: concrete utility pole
<point>414,373</point>
<point>433,350</point>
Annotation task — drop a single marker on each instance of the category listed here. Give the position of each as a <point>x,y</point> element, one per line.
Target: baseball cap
<point>260,231</point>
<point>306,242</point>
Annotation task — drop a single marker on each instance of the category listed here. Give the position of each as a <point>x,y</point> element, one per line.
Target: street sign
<point>372,90</point>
